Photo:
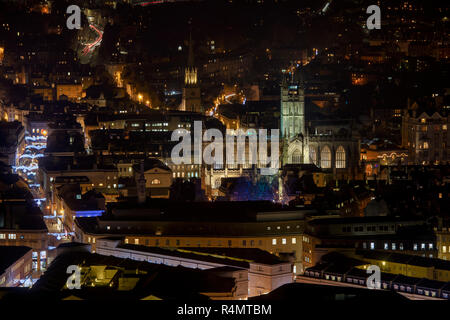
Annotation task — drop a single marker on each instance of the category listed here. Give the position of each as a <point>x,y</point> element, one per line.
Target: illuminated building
<point>73,92</point>
<point>341,270</point>
<point>12,142</point>
<point>15,265</point>
<point>292,109</point>
<point>263,272</point>
<point>407,236</point>
<point>114,278</point>
<point>150,178</point>
<point>426,137</point>
<point>332,146</point>
<point>21,223</point>
<point>408,265</point>
<point>377,155</point>
<point>278,232</point>
<point>100,176</point>
<point>47,93</point>
<point>443,242</point>
<point>72,203</point>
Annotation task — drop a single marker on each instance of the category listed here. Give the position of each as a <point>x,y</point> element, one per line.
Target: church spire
<point>190,62</point>
<point>190,72</point>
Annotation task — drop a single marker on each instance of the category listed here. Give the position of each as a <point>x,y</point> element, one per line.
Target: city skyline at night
<point>254,151</point>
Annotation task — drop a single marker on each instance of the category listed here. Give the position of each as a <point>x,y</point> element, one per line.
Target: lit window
<point>274,241</point>
<point>283,241</point>
<point>325,158</point>
<point>2,236</point>
<point>422,246</point>
<point>294,240</point>
<point>136,241</point>
<point>12,236</point>
<point>430,246</point>
<point>126,241</point>
<point>386,246</point>
<point>372,245</point>
<point>444,248</point>
<point>313,155</point>
<point>415,246</point>
<point>340,158</point>
<point>297,157</point>
<point>156,181</point>
<point>394,246</point>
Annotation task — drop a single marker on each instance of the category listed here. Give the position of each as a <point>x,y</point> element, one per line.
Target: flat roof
<point>405,258</point>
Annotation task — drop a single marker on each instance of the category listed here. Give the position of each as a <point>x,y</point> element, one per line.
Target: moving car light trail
<point>89,47</point>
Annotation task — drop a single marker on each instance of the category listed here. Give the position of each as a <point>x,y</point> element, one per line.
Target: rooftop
<point>10,254</point>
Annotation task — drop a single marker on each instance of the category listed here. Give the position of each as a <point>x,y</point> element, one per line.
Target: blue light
<point>89,213</point>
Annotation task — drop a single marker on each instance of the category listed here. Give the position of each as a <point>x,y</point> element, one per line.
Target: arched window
<point>313,155</point>
<point>325,157</point>
<point>156,181</point>
<point>340,158</point>
<point>297,156</point>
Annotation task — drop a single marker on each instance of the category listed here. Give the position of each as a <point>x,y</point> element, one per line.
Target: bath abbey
<point>330,145</point>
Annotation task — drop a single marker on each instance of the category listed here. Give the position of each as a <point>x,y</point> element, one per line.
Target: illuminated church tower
<point>293,133</point>
<point>191,100</point>
<point>292,107</point>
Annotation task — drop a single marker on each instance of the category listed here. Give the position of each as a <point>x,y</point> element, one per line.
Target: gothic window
<point>313,155</point>
<point>297,156</point>
<point>340,158</point>
<point>325,157</point>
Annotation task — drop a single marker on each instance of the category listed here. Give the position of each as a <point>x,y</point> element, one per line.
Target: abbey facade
<point>330,145</point>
